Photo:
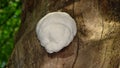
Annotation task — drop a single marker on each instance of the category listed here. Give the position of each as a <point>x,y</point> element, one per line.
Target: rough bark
<point>96,45</point>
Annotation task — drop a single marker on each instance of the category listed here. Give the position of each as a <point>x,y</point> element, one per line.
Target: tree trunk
<point>96,45</point>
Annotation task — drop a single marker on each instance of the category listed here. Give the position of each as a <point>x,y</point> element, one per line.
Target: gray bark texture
<point>96,45</point>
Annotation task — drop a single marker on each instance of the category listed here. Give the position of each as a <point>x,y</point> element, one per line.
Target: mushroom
<point>55,31</point>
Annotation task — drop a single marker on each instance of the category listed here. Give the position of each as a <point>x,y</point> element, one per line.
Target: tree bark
<point>96,45</point>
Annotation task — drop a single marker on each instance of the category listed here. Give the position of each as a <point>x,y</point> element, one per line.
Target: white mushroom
<point>55,31</point>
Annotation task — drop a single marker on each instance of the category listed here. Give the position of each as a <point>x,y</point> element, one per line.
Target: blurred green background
<point>10,11</point>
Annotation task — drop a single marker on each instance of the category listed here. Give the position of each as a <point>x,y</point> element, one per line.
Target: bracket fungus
<point>55,31</point>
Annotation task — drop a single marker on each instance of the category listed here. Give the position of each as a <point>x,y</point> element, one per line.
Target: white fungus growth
<point>55,31</point>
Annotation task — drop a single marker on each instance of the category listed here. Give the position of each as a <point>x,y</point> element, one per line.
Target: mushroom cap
<point>55,31</point>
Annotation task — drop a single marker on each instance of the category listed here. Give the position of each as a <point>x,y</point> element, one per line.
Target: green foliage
<point>9,23</point>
